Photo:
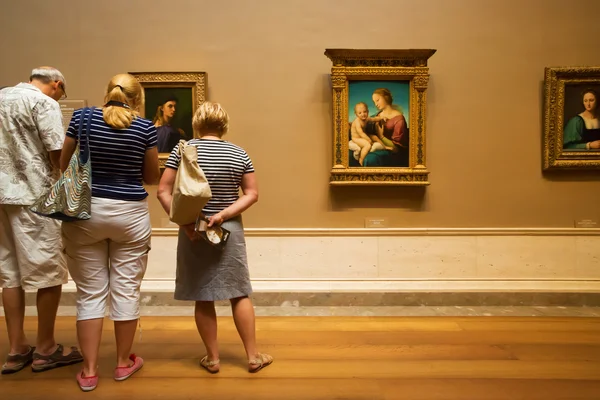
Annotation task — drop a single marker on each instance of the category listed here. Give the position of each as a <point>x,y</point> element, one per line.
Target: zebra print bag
<point>70,198</point>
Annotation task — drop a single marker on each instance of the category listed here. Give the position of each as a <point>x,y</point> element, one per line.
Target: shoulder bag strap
<point>180,147</point>
<point>84,152</point>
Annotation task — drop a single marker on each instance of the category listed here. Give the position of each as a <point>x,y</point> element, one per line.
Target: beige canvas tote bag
<point>191,190</point>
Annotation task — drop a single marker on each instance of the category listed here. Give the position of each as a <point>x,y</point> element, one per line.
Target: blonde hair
<point>361,103</point>
<point>387,96</point>
<point>159,117</point>
<point>126,89</point>
<point>211,118</point>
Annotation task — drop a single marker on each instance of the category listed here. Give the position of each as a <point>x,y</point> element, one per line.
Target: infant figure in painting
<point>361,143</point>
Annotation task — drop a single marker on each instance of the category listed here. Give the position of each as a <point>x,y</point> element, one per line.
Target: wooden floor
<point>462,358</point>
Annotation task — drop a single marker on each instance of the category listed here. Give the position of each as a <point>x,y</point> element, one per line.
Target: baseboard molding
<point>378,293</point>
<point>341,232</point>
<point>379,299</point>
<point>395,285</point>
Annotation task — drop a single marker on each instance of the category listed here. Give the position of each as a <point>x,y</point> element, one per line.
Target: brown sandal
<point>19,361</point>
<point>56,359</point>
<point>207,365</point>
<point>263,360</point>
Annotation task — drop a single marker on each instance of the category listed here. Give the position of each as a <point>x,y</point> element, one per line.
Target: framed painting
<point>379,116</point>
<point>171,99</point>
<point>571,139</point>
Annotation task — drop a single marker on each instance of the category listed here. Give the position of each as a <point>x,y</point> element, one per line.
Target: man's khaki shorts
<point>31,251</point>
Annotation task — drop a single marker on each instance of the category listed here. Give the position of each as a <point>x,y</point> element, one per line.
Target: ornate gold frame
<point>197,81</point>
<point>402,65</point>
<point>554,156</point>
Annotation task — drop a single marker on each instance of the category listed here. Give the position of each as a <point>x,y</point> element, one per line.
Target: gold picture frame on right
<point>571,139</point>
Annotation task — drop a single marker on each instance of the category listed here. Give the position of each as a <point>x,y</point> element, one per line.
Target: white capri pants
<point>107,255</point>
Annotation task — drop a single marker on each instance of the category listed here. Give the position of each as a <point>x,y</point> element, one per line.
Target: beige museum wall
<point>265,63</point>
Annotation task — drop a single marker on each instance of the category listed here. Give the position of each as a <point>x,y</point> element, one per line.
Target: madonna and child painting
<point>378,119</point>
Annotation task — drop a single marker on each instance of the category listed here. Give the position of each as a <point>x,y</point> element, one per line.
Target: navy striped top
<point>224,165</point>
<point>117,156</point>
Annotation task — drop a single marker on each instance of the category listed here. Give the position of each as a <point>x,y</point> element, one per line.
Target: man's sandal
<point>18,361</point>
<point>56,359</point>
<point>263,360</point>
<point>208,365</point>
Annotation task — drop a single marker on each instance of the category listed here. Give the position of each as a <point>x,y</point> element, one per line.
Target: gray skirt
<point>206,273</point>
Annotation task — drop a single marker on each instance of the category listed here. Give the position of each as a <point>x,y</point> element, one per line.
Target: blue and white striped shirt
<point>117,156</point>
<point>224,165</point>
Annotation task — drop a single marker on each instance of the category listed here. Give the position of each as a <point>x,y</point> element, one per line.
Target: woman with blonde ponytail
<point>107,254</point>
<point>123,89</point>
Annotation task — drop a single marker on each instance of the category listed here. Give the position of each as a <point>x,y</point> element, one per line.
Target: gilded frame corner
<point>554,154</point>
<point>380,65</point>
<point>196,81</point>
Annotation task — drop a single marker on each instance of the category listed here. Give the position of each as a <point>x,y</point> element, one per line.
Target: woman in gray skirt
<point>206,273</point>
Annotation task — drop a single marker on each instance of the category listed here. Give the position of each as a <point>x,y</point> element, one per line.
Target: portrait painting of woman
<point>571,124</point>
<point>582,130</point>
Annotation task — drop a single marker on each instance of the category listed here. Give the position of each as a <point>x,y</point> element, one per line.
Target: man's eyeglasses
<point>62,87</point>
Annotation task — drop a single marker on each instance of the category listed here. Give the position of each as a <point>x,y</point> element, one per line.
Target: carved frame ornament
<point>197,81</point>
<point>555,157</point>
<point>384,65</point>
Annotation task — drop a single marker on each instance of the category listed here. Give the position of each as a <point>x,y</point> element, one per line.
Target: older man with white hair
<point>31,258</point>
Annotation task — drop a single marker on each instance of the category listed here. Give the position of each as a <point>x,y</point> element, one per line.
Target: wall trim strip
<point>319,232</point>
<point>266,285</point>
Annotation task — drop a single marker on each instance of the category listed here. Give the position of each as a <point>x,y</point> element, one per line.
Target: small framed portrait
<point>571,138</point>
<point>379,116</point>
<point>171,98</point>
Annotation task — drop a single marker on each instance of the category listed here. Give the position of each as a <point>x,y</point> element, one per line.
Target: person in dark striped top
<point>205,273</point>
<point>107,254</point>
